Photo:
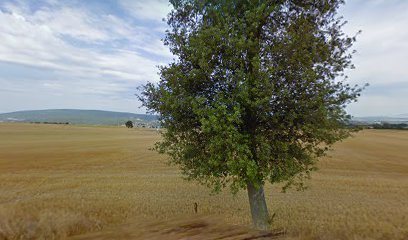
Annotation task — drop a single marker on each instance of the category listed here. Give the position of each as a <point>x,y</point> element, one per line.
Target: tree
<point>129,124</point>
<point>256,94</point>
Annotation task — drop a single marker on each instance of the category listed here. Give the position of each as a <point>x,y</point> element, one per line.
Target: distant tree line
<point>390,126</point>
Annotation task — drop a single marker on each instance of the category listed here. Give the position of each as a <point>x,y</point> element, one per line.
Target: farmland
<point>61,180</point>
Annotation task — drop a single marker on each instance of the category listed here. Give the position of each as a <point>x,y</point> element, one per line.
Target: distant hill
<point>74,116</point>
<point>98,117</point>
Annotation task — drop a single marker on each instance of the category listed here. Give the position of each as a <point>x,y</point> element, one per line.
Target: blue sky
<point>94,54</point>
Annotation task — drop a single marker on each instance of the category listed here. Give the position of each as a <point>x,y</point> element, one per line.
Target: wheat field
<point>59,181</point>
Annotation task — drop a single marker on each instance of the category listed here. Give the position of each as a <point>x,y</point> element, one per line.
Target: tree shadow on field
<point>191,228</point>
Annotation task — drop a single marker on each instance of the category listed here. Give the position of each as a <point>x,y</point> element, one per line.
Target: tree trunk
<point>259,210</point>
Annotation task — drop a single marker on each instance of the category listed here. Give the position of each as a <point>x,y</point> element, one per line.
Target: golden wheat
<point>58,181</point>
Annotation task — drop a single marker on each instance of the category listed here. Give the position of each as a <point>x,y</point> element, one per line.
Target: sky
<point>94,54</point>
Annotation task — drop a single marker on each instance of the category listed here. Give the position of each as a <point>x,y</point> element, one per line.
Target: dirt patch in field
<point>200,228</point>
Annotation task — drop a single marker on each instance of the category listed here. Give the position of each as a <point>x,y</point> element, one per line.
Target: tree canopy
<point>257,91</point>
<point>129,124</point>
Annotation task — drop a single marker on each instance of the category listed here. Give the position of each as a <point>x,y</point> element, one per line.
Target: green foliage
<point>129,124</point>
<point>257,92</point>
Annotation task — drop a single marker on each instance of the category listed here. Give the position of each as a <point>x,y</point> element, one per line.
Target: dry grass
<point>195,228</point>
<point>58,181</point>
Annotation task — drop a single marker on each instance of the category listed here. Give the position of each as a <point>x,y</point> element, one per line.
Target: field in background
<point>58,181</point>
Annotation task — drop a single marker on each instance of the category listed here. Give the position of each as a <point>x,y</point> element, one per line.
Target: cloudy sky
<point>94,54</point>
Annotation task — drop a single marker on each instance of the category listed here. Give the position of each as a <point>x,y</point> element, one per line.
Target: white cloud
<point>83,55</point>
<point>379,105</point>
<point>382,50</point>
<point>38,45</point>
<point>98,58</point>
<point>382,47</point>
<point>147,9</point>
